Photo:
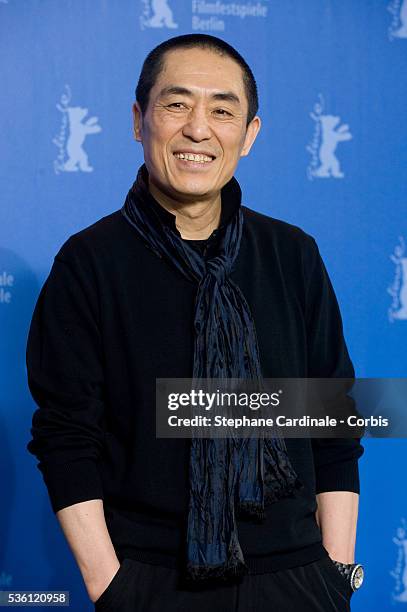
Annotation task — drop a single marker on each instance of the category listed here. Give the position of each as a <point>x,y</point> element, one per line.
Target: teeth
<point>203,159</point>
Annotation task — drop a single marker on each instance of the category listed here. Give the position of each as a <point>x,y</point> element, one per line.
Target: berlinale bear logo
<point>399,573</point>
<point>398,28</point>
<point>327,134</point>
<point>398,289</point>
<point>157,15</point>
<point>72,134</point>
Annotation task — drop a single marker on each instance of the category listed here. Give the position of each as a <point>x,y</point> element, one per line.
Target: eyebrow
<point>228,96</point>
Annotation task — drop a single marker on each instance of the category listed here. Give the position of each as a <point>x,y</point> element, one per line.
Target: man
<point>182,281</point>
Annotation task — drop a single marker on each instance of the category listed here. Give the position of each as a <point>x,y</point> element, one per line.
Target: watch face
<point>357,577</point>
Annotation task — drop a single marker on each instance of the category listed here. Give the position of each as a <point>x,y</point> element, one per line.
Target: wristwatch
<point>353,572</point>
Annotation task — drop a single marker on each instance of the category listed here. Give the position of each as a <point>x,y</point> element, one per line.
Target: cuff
<point>72,482</point>
<point>342,476</point>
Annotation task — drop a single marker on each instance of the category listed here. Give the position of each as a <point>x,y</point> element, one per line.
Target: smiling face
<point>194,129</point>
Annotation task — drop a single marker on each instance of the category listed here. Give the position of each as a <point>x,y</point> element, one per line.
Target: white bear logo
<point>398,28</point>
<point>330,138</point>
<point>400,572</point>
<point>161,15</point>
<point>78,159</point>
<point>398,290</point>
<point>72,133</point>
<point>322,146</point>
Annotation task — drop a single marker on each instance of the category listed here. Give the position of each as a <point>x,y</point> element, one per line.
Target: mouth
<point>194,159</point>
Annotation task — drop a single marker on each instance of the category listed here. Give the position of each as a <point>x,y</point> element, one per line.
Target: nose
<point>197,126</point>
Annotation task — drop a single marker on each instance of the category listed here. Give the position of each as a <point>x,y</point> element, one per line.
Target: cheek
<point>232,140</point>
<point>155,142</point>
<point>160,145</point>
<point>164,126</point>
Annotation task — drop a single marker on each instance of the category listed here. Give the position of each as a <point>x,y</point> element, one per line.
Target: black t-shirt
<point>199,244</point>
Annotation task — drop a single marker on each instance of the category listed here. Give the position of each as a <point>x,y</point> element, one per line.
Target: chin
<point>198,188</point>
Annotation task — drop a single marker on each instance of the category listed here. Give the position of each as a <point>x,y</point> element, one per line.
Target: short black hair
<point>154,64</point>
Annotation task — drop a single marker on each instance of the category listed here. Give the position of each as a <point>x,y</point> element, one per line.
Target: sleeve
<point>335,459</point>
<point>65,378</point>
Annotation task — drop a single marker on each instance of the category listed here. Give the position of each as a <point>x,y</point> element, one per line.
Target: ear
<point>251,134</point>
<point>137,122</point>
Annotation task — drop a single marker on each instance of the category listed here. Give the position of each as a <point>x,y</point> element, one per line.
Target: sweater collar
<point>231,198</point>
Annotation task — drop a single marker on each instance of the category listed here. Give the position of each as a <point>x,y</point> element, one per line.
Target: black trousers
<point>140,587</point>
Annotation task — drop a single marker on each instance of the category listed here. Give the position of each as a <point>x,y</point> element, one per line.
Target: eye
<point>176,105</point>
<point>223,113</point>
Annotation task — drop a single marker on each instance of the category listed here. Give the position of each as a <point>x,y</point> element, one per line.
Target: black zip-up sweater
<point>111,317</point>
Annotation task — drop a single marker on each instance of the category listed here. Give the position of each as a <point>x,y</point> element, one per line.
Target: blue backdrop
<point>331,157</point>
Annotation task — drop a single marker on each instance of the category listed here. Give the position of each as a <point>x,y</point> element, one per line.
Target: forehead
<point>201,68</point>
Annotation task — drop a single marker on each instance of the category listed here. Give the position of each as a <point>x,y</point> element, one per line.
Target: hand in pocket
<point>98,591</point>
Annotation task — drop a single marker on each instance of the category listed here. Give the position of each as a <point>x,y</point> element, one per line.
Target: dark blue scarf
<point>229,477</point>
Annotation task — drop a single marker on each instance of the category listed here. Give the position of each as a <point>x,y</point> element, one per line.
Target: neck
<point>194,220</point>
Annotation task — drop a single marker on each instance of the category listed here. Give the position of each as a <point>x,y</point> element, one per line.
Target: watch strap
<point>353,572</point>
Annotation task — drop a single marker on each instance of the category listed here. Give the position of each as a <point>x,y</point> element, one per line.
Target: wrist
<point>96,585</point>
<point>345,559</point>
<point>343,554</point>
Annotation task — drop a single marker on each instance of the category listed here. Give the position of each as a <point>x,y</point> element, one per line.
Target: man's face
<point>197,106</point>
